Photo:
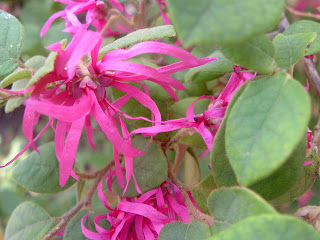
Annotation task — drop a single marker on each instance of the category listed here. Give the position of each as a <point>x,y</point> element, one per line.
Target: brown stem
<point>313,75</point>
<point>193,211</point>
<point>181,133</point>
<point>86,201</point>
<point>302,14</point>
<point>180,153</point>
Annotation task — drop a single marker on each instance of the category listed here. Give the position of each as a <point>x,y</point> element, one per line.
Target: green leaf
<point>221,169</point>
<point>141,35</point>
<point>73,230</point>
<point>201,192</point>
<point>28,221</point>
<point>285,177</point>
<point>303,183</point>
<point>266,227</point>
<point>15,76</point>
<point>256,54</point>
<point>264,129</point>
<point>182,231</point>
<point>225,22</point>
<point>11,41</point>
<point>291,48</point>
<point>231,205</point>
<point>47,67</point>
<point>40,173</point>
<point>150,169</point>
<point>211,70</point>
<point>14,103</point>
<point>35,63</point>
<point>306,26</point>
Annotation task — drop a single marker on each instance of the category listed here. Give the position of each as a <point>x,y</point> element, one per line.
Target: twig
<point>193,211</point>
<point>313,75</point>
<point>181,133</point>
<point>86,201</point>
<point>302,14</point>
<point>180,153</point>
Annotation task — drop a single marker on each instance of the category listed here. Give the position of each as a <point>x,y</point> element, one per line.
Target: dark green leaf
<point>256,54</point>
<point>306,26</point>
<point>224,22</point>
<point>201,192</point>
<point>231,205</point>
<point>150,169</point>
<point>211,70</point>
<point>11,40</point>
<point>303,183</point>
<point>265,125</point>
<point>141,35</point>
<point>291,48</point>
<point>182,231</point>
<point>40,173</point>
<point>28,221</point>
<point>266,227</point>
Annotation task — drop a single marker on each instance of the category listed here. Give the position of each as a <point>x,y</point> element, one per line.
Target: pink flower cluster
<point>142,217</point>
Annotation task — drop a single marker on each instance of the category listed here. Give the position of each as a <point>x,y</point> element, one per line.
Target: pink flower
<point>96,13</point>
<point>142,217</point>
<point>302,5</point>
<point>76,91</point>
<point>207,123</point>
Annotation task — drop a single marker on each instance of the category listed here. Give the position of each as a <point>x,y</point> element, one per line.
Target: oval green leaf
<point>265,125</point>
<point>182,231</point>
<point>291,48</point>
<point>28,221</point>
<point>306,26</point>
<point>231,205</point>
<point>40,173</point>
<point>150,169</point>
<point>224,22</point>
<point>266,227</point>
<point>11,41</point>
<point>256,54</point>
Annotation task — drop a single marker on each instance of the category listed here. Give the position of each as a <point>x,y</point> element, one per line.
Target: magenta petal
<point>65,113</point>
<point>151,47</point>
<point>141,97</point>
<point>116,4</point>
<point>136,68</point>
<point>88,128</point>
<point>90,234</point>
<point>164,128</point>
<point>118,167</point>
<point>206,135</point>
<point>143,210</point>
<point>70,151</point>
<point>50,21</point>
<point>106,124</point>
